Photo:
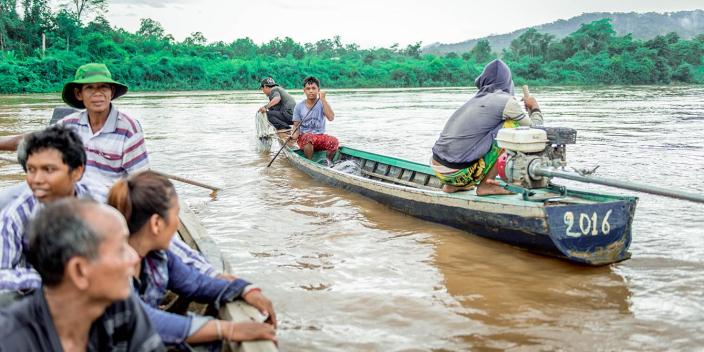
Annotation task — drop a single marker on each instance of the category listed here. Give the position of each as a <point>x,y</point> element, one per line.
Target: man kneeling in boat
<point>309,118</point>
<point>86,303</point>
<point>279,109</point>
<point>465,155</point>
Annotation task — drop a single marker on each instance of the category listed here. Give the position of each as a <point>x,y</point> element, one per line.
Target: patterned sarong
<point>474,173</point>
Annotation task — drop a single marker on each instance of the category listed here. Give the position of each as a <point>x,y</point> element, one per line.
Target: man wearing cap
<point>279,110</point>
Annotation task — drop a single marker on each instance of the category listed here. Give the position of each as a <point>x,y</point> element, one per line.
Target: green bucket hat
<point>90,73</point>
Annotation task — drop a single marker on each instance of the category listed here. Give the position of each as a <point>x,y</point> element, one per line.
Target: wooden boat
<point>582,227</point>
<point>194,234</point>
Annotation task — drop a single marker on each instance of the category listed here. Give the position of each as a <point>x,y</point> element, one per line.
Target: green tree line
<point>150,58</point>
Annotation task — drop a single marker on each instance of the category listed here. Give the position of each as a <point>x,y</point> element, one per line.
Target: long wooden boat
<point>582,227</point>
<point>194,234</point>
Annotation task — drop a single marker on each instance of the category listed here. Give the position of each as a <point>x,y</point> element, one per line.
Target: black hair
<point>311,80</point>
<point>141,195</point>
<point>59,233</point>
<point>59,137</point>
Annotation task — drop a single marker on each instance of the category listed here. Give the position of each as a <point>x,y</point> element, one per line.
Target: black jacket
<point>124,327</point>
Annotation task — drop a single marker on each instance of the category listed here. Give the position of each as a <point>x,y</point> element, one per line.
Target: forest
<point>151,59</point>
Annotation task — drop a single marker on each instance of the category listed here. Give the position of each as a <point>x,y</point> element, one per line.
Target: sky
<point>369,23</point>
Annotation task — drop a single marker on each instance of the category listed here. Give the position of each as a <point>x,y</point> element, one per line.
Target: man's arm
<point>533,109</point>
<point>188,282</point>
<point>327,110</point>
<point>191,257</point>
<point>295,135</point>
<point>296,121</point>
<point>10,143</point>
<point>12,278</point>
<point>270,104</point>
<point>514,111</point>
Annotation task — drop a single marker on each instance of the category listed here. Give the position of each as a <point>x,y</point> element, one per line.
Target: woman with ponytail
<point>149,203</point>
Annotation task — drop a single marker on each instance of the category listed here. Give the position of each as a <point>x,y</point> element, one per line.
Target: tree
<point>9,21</point>
<point>531,43</point>
<point>36,21</point>
<point>482,51</point>
<point>278,47</point>
<point>86,6</point>
<point>592,37</point>
<point>244,48</point>
<point>150,29</point>
<point>67,28</point>
<point>413,50</point>
<point>196,38</point>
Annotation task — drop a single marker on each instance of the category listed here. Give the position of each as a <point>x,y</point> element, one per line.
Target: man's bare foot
<point>453,189</point>
<point>491,187</point>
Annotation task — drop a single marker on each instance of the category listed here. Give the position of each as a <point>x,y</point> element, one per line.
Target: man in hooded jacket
<point>465,154</point>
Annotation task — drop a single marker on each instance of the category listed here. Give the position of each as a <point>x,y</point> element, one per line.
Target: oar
<point>294,132</point>
<point>190,182</point>
<point>173,177</point>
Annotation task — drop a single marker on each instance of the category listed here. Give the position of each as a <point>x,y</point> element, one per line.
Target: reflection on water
<point>525,300</point>
<point>348,274</point>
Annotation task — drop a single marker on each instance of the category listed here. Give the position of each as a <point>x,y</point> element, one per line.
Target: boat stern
<point>592,234</point>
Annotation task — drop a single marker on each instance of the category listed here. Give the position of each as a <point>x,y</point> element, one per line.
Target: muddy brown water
<point>348,274</point>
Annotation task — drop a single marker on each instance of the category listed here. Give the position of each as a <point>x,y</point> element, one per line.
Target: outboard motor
<point>530,148</point>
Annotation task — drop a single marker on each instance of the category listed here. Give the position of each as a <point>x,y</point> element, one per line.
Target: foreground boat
<point>195,235</point>
<point>582,227</point>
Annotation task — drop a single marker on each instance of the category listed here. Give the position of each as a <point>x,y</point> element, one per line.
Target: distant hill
<point>686,24</point>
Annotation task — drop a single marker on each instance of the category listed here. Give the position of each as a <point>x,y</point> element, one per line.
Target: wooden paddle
<point>294,132</point>
<point>173,177</point>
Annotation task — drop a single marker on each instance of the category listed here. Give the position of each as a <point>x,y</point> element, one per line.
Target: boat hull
<point>595,233</point>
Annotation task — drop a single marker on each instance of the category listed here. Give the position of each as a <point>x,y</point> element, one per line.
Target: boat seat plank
<point>397,181</point>
<point>404,164</point>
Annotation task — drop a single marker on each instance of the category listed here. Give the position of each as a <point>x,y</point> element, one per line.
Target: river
<point>347,274</point>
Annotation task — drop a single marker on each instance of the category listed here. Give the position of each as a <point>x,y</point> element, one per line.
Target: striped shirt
<point>16,274</point>
<point>113,152</point>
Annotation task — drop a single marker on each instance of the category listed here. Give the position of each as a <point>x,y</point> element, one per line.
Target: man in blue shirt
<point>54,160</point>
<point>309,118</point>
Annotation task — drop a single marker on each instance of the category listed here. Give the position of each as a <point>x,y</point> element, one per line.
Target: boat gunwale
<point>425,169</point>
<point>494,203</point>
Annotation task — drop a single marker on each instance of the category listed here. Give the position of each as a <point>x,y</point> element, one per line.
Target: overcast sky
<point>369,23</point>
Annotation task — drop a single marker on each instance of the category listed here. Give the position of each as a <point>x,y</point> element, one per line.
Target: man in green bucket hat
<point>91,74</point>
<point>113,141</point>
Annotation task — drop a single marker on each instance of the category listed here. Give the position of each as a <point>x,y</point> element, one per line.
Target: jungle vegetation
<point>150,58</point>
